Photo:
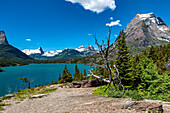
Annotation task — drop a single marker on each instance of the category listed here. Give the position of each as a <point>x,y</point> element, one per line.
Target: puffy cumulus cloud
<point>117,22</point>
<point>111,18</point>
<point>97,6</point>
<point>29,40</point>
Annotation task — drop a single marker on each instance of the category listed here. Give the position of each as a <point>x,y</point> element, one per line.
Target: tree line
<point>147,74</point>
<point>66,77</point>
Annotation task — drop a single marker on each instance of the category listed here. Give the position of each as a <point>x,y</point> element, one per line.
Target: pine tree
<point>76,74</point>
<point>65,77</point>
<point>84,75</point>
<point>123,61</point>
<point>147,71</point>
<point>135,66</point>
<point>152,53</point>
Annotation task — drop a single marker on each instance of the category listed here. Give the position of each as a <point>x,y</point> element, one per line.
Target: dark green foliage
<point>160,88</point>
<point>149,75</point>
<point>77,75</point>
<point>65,77</point>
<point>84,74</point>
<point>123,61</point>
<point>24,79</point>
<point>8,52</point>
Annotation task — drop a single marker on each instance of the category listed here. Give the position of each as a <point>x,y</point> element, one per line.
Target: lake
<point>42,74</point>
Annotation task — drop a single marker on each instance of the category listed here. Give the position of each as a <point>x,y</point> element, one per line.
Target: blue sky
<point>58,24</point>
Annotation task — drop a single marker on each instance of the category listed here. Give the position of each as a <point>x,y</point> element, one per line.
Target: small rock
<point>39,96</point>
<point>156,108</point>
<point>10,95</point>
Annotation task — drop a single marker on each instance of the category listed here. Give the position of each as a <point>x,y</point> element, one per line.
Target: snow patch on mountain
<point>53,53</point>
<point>81,48</point>
<point>32,51</point>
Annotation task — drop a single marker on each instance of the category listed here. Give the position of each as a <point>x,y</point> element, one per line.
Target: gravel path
<point>69,100</point>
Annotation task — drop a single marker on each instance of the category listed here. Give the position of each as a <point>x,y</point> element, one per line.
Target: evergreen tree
<point>152,53</point>
<point>135,74</point>
<point>65,77</point>
<point>84,75</point>
<point>76,74</point>
<point>147,71</point>
<point>81,75</point>
<point>123,61</point>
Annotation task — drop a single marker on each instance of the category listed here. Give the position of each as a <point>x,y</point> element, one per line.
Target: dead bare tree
<point>105,51</point>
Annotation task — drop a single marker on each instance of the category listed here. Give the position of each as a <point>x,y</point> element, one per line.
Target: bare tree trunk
<point>105,50</point>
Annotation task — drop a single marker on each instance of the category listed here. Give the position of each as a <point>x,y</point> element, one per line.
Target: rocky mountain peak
<point>91,48</point>
<point>41,50</point>
<point>143,16</point>
<point>3,39</point>
<point>147,26</point>
<point>82,46</point>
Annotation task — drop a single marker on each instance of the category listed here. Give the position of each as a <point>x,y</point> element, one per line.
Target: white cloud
<point>28,40</point>
<point>111,18</point>
<point>89,34</point>
<point>117,22</point>
<point>115,35</point>
<point>97,6</point>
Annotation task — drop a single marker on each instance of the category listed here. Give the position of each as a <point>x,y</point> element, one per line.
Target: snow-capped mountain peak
<point>147,25</point>
<point>52,53</point>
<point>144,16</point>
<point>33,51</point>
<point>41,53</point>
<point>90,48</point>
<point>81,48</point>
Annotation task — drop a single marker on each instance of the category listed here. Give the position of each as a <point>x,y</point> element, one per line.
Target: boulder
<point>39,96</point>
<point>9,95</point>
<point>156,108</point>
<point>87,83</point>
<point>125,105</point>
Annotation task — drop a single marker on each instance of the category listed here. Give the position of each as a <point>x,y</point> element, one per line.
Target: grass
<point>26,93</point>
<point>17,102</point>
<point>1,108</point>
<point>117,93</point>
<point>23,94</point>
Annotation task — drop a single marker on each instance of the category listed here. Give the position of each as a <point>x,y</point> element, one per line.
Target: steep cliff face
<point>3,39</point>
<point>147,29</point>
<point>8,52</point>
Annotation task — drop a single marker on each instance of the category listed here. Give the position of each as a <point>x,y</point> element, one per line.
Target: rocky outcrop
<point>3,39</point>
<point>87,83</point>
<point>8,52</point>
<point>148,28</point>
<point>90,48</point>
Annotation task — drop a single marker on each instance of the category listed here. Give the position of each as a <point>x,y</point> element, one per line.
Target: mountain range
<point>60,54</point>
<point>144,30</point>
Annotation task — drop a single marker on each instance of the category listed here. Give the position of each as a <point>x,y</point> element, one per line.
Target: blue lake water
<point>41,74</point>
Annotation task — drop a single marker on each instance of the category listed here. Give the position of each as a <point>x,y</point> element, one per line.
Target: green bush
<point>114,92</point>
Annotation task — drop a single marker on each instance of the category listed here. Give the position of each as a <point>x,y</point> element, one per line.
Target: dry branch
<point>105,50</point>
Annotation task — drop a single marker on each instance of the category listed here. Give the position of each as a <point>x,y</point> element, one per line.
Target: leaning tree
<point>105,50</point>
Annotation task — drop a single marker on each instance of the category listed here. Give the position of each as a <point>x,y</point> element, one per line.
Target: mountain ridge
<point>9,52</point>
<point>147,25</point>
<point>46,55</point>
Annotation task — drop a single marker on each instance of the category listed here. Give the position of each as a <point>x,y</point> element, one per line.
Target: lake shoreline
<point>42,74</point>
